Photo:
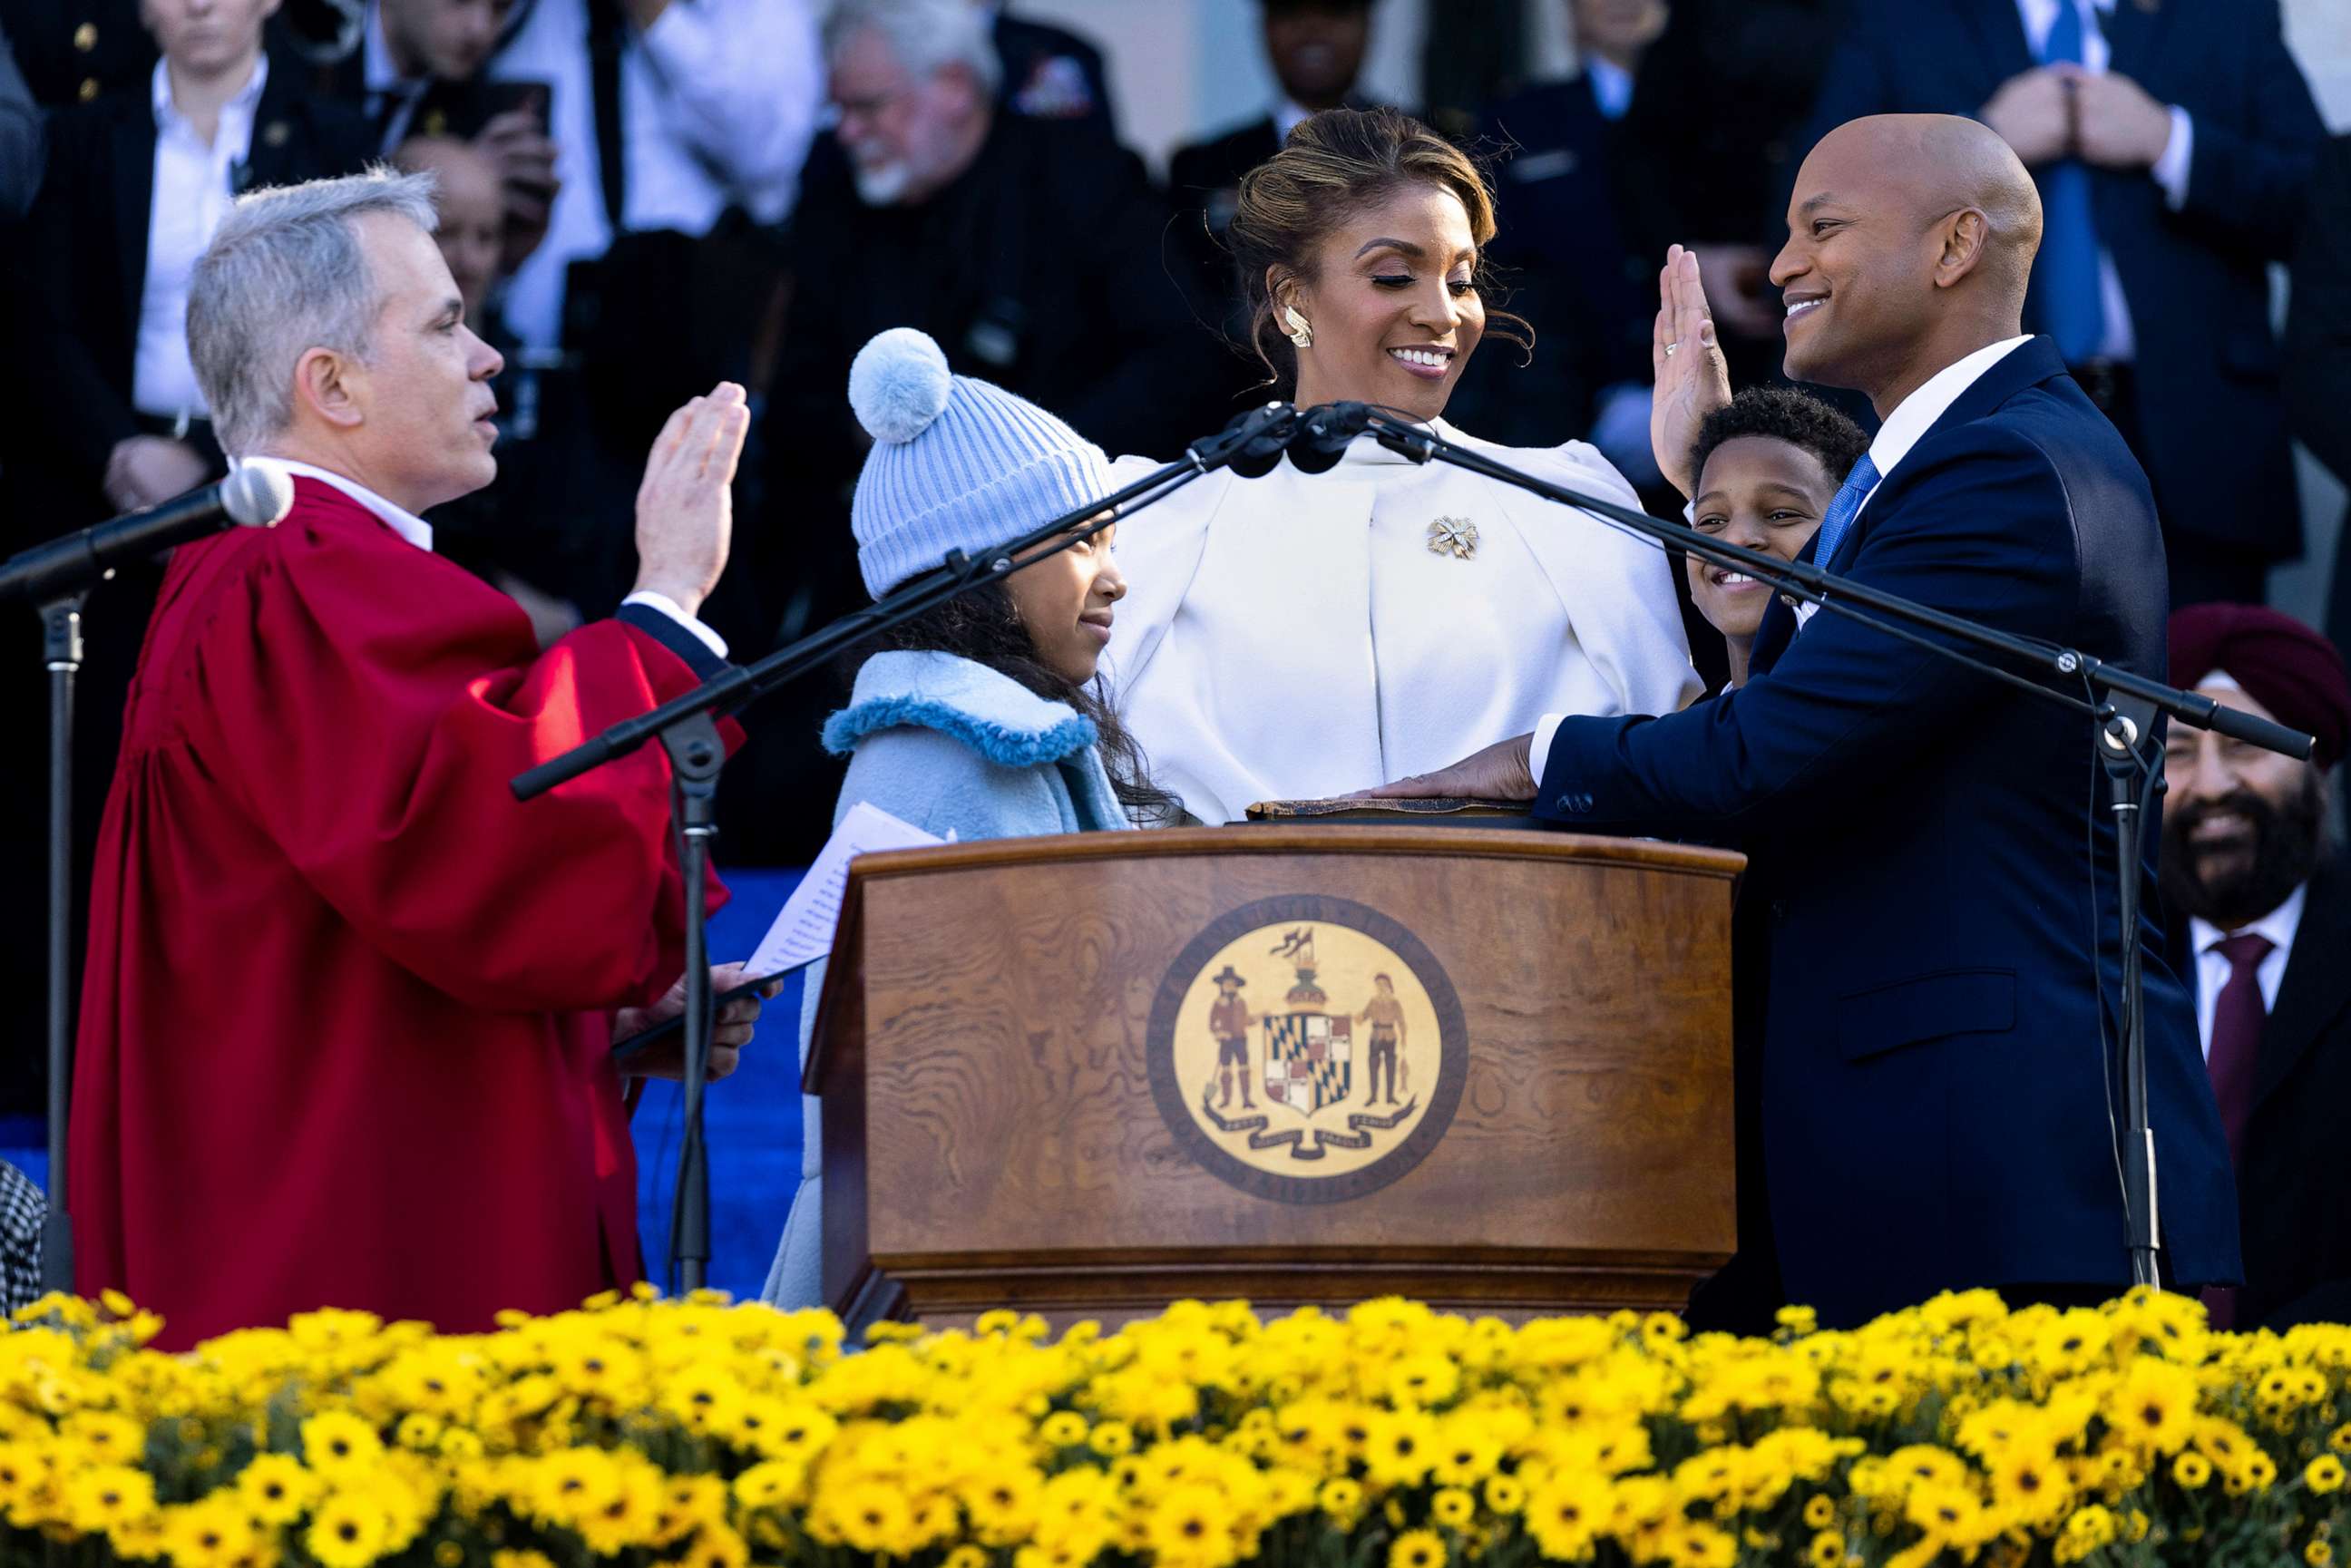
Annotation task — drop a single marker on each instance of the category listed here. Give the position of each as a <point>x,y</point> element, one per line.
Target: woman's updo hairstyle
<point>1334,165</point>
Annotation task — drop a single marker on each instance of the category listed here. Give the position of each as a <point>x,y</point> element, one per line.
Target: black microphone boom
<point>254,496</point>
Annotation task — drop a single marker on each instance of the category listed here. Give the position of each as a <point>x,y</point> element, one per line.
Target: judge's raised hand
<point>736,1020</point>
<point>686,507</point>
<point>1501,772</point>
<point>1692,378</point>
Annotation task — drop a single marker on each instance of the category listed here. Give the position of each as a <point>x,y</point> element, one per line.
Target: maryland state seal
<point>1307,1050</point>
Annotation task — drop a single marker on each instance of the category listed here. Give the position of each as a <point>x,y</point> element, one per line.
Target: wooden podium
<point>1089,1075</point>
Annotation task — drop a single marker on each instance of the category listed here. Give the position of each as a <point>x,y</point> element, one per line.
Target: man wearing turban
<point>2266,947</point>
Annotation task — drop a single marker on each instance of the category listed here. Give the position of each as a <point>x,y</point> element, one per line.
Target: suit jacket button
<point>89,88</point>
<point>1779,909</point>
<point>86,37</point>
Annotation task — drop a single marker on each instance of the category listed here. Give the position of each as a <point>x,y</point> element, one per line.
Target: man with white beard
<point>1028,248</point>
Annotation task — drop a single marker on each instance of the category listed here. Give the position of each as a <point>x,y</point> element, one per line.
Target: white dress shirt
<point>1295,637</point>
<point>2170,171</point>
<point>719,101</point>
<point>1911,420</point>
<point>195,182</point>
<point>2213,967</point>
<point>419,532</point>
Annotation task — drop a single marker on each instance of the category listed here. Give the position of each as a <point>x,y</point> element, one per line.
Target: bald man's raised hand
<point>1692,378</point>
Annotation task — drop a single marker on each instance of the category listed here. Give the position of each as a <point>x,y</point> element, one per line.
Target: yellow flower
<point>716,1546</point>
<point>99,1497</point>
<point>966,1556</point>
<point>1452,1508</point>
<point>1188,1527</point>
<point>1827,1551</point>
<point>1340,1498</point>
<point>873,1517</point>
<point>2191,1470</point>
<point>1566,1511</point>
<point>775,1484</point>
<point>2323,1474</point>
<point>2155,1405</point>
<point>1002,1502</point>
<point>1062,1429</point>
<point>448,1554</point>
<point>1417,1549</point>
<point>1505,1494</point>
<point>2318,1553</point>
<point>349,1531</point>
<point>337,1443</point>
<point>1466,1451</point>
<point>1111,1439</point>
<point>209,1534</point>
<point>275,1488</point>
<point>521,1560</point>
<point>1399,1447</point>
<point>1820,1511</point>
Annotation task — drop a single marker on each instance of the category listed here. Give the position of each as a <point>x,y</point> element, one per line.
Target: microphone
<point>254,496</point>
<point>1324,433</point>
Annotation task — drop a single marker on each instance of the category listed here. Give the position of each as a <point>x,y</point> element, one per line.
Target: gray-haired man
<point>346,1036</point>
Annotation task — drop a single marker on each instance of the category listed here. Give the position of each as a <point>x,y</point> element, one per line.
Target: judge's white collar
<point>400,520</point>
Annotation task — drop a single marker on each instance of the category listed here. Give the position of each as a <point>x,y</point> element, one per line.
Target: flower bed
<point>639,1430</point>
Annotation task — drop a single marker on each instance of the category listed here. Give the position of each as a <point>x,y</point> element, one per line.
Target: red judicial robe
<point>346,1024</point>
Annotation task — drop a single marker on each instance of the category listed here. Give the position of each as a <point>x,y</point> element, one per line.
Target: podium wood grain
<point>991,1137</point>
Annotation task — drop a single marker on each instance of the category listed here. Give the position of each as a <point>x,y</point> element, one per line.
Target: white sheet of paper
<point>803,929</point>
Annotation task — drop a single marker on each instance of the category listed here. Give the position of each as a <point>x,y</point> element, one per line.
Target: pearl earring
<point>1301,333</point>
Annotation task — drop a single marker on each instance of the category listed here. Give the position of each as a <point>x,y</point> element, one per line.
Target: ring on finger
<point>1671,348</point>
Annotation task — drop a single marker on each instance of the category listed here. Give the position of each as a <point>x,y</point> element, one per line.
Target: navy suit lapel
<point>2317,985</point>
<point>1999,34</point>
<point>2134,36</point>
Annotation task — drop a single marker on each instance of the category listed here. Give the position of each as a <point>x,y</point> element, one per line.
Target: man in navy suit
<point>1941,1068</point>
<point>2172,143</point>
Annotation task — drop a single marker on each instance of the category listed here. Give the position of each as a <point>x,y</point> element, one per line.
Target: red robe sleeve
<point>384,699</point>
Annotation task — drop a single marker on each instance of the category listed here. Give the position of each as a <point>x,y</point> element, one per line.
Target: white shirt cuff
<point>1540,752</point>
<point>675,611</point>
<point>2170,171</point>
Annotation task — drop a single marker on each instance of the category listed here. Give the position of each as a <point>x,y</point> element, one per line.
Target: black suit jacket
<point>78,317</point>
<point>2212,418</point>
<point>1939,1082</point>
<point>1027,49</point>
<point>2294,1206</point>
<point>62,45</point>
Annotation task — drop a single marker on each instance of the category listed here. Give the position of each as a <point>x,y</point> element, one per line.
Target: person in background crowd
<point>406,981</point>
<point>1050,73</point>
<point>981,718</point>
<point>24,1209</point>
<point>2248,859</point>
<point>1316,48</point>
<point>2318,351</point>
<point>417,68</point>
<point>1866,775</point>
<point>1290,637</point>
<point>2171,144</point>
<point>72,51</point>
<point>20,137</point>
<point>664,115</point>
<point>1767,465</point>
<point>1027,248</point>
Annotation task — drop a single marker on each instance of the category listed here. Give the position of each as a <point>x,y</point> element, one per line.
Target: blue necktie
<point>1839,522</point>
<point>2072,305</point>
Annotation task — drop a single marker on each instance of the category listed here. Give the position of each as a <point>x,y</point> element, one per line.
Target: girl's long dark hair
<point>985,627</point>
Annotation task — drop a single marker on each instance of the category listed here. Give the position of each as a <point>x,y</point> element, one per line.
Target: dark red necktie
<point>2238,1013</point>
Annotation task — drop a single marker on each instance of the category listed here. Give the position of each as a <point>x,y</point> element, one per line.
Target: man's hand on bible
<point>1502,771</point>
<point>686,507</point>
<point>1693,380</point>
<point>666,1059</point>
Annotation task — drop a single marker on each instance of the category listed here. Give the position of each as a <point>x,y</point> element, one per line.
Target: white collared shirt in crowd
<point>384,81</point>
<point>196,184</point>
<point>1911,420</point>
<point>2212,967</point>
<point>2170,171</point>
<point>719,100</point>
<point>419,532</point>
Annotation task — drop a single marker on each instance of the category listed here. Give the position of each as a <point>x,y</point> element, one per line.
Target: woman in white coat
<point>1302,636</point>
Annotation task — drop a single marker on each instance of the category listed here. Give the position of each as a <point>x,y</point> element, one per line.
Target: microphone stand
<point>686,728</point>
<point>2123,706</point>
<point>62,654</point>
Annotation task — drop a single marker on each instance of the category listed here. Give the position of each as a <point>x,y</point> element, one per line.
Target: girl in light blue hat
<point>981,718</point>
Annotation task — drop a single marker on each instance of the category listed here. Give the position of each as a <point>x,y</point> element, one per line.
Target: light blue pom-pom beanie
<point>957,464</point>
